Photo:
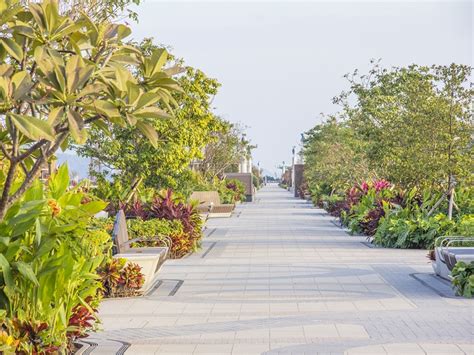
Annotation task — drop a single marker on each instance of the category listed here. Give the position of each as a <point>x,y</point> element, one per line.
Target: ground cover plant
<point>463,279</point>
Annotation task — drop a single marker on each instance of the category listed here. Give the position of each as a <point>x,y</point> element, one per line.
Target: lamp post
<point>293,162</point>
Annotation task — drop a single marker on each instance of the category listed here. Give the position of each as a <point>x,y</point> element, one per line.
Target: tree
<point>97,10</point>
<point>128,157</point>
<point>334,156</point>
<point>59,77</point>
<point>417,122</point>
<point>225,153</point>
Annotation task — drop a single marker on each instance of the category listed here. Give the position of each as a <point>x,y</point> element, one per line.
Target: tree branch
<point>42,142</point>
<point>35,171</point>
<point>5,152</point>
<point>30,150</point>
<point>4,204</point>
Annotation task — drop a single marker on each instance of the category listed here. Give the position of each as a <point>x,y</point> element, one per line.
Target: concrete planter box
<point>247,180</point>
<point>440,268</point>
<point>149,262</point>
<point>220,215</point>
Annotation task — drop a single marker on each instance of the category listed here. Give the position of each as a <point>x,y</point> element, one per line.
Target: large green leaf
<point>6,270</point>
<point>151,112</point>
<point>24,29</point>
<point>149,132</point>
<point>147,99</point>
<point>59,182</point>
<point>76,127</point>
<point>55,115</point>
<point>32,127</point>
<point>77,73</point>
<point>38,15</point>
<point>25,270</point>
<point>158,60</point>
<point>94,207</point>
<point>12,48</point>
<point>106,108</point>
<point>22,84</point>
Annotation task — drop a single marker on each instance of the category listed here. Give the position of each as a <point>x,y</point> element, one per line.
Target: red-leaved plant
<point>167,206</point>
<point>171,207</point>
<point>120,279</point>
<point>82,319</point>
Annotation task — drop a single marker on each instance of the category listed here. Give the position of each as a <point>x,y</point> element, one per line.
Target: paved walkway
<point>281,277</point>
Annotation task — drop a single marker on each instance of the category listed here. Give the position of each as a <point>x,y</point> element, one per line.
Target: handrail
<point>444,242</point>
<point>444,239</point>
<point>466,239</point>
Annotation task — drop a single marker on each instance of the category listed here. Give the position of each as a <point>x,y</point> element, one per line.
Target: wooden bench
<point>149,259</point>
<point>210,201</point>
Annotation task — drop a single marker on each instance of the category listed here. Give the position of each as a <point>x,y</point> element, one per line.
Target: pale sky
<point>280,63</point>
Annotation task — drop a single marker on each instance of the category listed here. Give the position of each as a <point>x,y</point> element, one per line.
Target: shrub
<point>235,189</point>
<point>408,225</point>
<point>366,204</point>
<point>82,318</point>
<point>397,218</point>
<point>370,222</point>
<point>398,230</point>
<point>121,279</point>
<point>334,204</point>
<point>225,195</point>
<point>463,279</point>
<point>320,192</point>
<point>170,207</point>
<point>48,260</point>
<point>159,232</point>
<point>184,228</point>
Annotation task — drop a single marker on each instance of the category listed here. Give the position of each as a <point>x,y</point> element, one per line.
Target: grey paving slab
<point>282,277</point>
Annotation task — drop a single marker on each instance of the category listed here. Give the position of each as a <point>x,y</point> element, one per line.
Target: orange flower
<point>55,208</point>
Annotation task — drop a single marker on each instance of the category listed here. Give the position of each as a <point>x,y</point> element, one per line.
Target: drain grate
<point>90,347</point>
<point>213,244</point>
<point>165,288</point>
<point>123,348</point>
<point>154,287</point>
<point>210,233</point>
<point>176,288</point>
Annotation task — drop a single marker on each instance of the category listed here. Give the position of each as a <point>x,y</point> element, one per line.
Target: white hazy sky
<point>280,63</point>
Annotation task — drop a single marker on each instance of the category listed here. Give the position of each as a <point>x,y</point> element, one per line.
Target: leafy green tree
<point>417,122</point>
<point>126,155</point>
<point>61,76</point>
<point>225,152</point>
<point>334,156</point>
<point>98,10</point>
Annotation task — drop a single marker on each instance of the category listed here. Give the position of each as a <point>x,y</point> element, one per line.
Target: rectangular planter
<point>149,263</point>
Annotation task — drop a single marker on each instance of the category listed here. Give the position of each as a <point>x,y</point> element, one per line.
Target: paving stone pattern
<point>283,278</point>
